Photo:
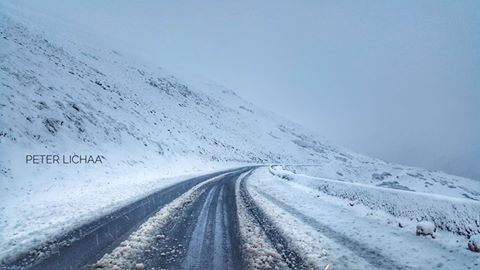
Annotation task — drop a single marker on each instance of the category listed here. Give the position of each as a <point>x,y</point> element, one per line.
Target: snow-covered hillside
<point>70,98</point>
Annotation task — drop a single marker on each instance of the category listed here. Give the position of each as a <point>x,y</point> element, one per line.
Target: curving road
<point>196,226</point>
<point>206,235</point>
<point>203,235</point>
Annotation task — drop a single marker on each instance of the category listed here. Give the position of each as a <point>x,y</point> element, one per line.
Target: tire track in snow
<point>204,236</point>
<point>196,245</point>
<point>221,240</point>
<point>372,256</point>
<point>278,241</point>
<point>85,245</point>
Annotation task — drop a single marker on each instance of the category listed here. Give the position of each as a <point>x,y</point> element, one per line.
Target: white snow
<point>459,215</point>
<point>425,228</point>
<point>62,94</point>
<point>345,232</point>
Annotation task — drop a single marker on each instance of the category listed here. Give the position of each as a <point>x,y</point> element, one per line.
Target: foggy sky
<point>399,81</point>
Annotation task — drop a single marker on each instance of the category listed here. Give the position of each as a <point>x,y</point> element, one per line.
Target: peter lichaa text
<point>64,159</point>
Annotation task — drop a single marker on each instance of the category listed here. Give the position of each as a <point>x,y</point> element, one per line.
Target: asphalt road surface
<point>204,235</point>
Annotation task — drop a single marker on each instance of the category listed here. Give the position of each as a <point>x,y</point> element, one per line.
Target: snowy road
<point>197,227</point>
<point>204,235</point>
<point>85,245</point>
<point>244,219</point>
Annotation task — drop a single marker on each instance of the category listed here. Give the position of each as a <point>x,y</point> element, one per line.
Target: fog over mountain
<point>399,81</point>
<point>158,135</point>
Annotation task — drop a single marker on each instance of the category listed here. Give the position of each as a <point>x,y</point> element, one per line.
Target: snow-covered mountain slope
<point>70,98</point>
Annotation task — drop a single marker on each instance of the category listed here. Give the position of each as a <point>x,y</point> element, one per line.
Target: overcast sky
<point>399,81</point>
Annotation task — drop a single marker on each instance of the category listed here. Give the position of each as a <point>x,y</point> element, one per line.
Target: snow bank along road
<point>223,221</point>
<point>346,234</point>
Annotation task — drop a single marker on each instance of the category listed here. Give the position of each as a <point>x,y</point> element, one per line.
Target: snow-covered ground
<point>360,169</point>
<point>459,215</point>
<point>348,233</point>
<point>61,94</point>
